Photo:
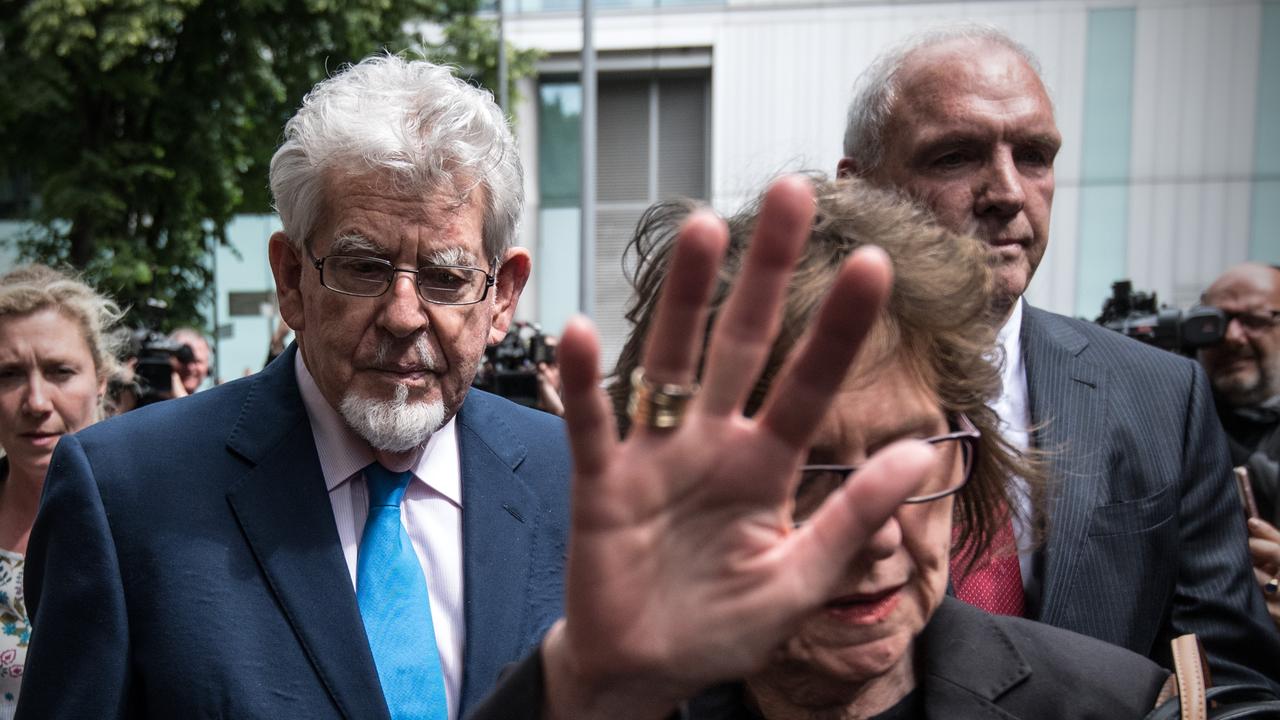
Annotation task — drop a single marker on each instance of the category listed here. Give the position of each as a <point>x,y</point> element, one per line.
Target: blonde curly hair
<point>31,288</point>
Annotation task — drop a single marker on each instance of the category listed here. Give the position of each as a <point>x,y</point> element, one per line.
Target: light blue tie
<point>395,606</point>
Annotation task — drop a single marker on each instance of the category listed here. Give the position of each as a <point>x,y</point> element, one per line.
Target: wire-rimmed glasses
<point>957,451</point>
<point>363,276</point>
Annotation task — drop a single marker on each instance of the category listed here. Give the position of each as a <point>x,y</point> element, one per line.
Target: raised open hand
<point>684,568</point>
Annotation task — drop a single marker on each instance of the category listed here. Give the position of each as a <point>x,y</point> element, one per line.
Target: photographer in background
<point>523,369</point>
<point>193,367</point>
<point>1244,370</point>
<point>550,389</point>
<point>152,367</point>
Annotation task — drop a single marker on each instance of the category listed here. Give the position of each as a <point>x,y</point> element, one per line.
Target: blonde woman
<point>54,365</point>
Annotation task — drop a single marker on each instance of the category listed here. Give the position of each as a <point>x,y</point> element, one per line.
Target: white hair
<point>876,89</point>
<point>395,425</point>
<point>411,122</point>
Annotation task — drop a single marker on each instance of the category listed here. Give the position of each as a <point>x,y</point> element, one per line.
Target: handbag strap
<point>1191,675</point>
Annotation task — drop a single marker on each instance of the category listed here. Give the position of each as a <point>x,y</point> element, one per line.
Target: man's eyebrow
<point>1044,140</point>
<point>451,256</point>
<point>966,135</point>
<point>354,243</point>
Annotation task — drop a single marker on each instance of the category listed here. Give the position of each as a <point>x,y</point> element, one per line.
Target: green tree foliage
<point>143,126</point>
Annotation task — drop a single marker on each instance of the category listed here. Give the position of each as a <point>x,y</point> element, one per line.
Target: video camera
<point>1136,315</point>
<point>154,371</point>
<point>510,368</point>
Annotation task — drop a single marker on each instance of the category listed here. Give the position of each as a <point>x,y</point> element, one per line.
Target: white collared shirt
<point>1014,411</point>
<point>431,512</point>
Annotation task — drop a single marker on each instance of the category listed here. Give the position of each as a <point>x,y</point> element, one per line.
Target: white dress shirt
<point>1014,412</point>
<point>431,513</point>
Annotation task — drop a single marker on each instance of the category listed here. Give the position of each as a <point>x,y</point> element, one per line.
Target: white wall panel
<point>1194,108</point>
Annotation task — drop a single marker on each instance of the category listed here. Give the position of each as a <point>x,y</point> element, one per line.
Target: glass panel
<point>560,143</point>
<point>556,263</point>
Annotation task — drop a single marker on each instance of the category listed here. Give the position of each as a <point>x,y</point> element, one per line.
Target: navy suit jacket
<point>1146,537</point>
<point>185,562</point>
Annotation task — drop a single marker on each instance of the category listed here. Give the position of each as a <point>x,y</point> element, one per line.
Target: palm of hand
<point>683,567</point>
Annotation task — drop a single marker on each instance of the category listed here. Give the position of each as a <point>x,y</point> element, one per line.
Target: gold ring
<point>1272,586</point>
<point>659,407</point>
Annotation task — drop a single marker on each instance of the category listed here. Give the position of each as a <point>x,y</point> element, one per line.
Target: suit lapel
<point>956,686</point>
<point>1067,397</point>
<point>284,511</point>
<point>499,523</point>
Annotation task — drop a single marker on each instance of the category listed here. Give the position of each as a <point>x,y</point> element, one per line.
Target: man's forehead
<point>371,213</point>
<point>1246,285</point>
<point>955,82</point>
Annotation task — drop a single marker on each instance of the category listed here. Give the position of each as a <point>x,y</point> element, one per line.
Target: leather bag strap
<point>1191,668</point>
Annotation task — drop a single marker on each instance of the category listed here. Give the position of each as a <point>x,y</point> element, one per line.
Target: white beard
<point>395,425</point>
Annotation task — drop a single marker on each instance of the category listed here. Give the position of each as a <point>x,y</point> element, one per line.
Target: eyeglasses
<point>947,477</point>
<point>437,284</point>
<point>1255,320</point>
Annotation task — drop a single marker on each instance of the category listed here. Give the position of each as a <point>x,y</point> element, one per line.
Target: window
<point>652,139</point>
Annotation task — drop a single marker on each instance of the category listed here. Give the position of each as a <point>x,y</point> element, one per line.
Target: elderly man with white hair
<point>353,532</point>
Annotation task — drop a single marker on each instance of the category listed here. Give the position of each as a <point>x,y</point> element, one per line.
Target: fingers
<point>749,321</point>
<point>803,391</point>
<point>674,342</point>
<point>822,549</point>
<point>586,410</point>
<point>1265,554</point>
<point>1263,529</point>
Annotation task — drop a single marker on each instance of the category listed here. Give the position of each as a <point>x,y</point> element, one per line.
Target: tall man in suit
<point>1144,535</point>
<point>351,533</point>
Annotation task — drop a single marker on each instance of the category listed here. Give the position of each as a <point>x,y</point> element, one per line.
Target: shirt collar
<point>1010,332</point>
<point>343,454</point>
<point>1009,338</point>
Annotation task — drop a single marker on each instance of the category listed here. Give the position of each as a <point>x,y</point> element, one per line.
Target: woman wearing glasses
<point>701,554</point>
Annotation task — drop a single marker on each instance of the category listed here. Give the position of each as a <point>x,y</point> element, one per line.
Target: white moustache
<point>418,355</point>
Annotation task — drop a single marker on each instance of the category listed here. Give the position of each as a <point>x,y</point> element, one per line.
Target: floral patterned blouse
<point>15,631</point>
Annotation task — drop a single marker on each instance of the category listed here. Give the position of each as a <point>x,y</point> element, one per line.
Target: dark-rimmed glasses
<point>957,450</point>
<point>1254,320</point>
<point>437,284</point>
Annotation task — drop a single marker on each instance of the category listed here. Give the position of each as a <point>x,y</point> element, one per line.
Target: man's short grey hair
<point>411,123</point>
<point>876,89</point>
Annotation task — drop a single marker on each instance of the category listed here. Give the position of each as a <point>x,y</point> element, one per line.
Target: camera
<point>1137,315</point>
<point>510,368</point>
<point>153,373</point>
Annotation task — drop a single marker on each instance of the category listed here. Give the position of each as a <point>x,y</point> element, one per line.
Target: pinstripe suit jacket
<point>1146,538</point>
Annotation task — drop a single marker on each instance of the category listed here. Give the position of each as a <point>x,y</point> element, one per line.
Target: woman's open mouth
<point>865,609</point>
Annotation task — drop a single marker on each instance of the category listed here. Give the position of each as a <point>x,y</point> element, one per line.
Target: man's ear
<point>286,267</point>
<point>512,275</point>
<point>847,167</point>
